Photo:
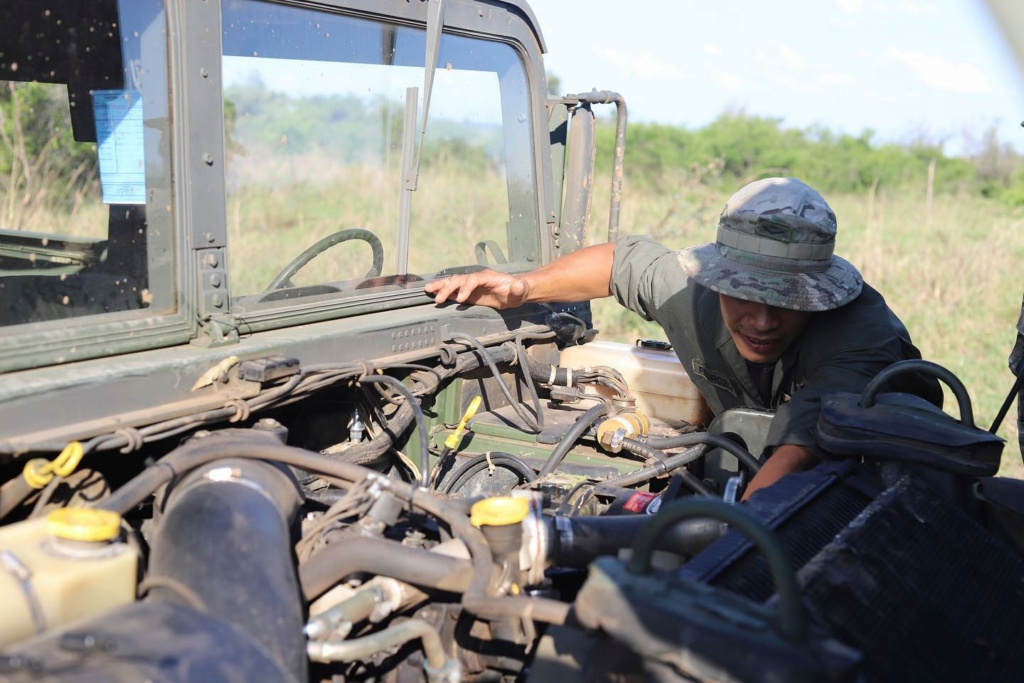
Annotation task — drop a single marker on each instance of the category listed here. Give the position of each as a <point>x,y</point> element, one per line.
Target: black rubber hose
<point>550,375</point>
<point>481,462</point>
<point>643,450</point>
<point>228,543</point>
<point>382,557</point>
<point>716,440</point>
<point>588,538</point>
<point>657,469</point>
<point>792,620</point>
<point>648,453</point>
<point>581,425</point>
<point>201,451</point>
<point>476,599</point>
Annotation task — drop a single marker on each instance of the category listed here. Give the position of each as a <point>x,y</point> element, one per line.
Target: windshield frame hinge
<point>217,326</point>
<point>216,330</point>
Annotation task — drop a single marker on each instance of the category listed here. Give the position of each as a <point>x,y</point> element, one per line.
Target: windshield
<point>84,177</point>
<point>323,120</point>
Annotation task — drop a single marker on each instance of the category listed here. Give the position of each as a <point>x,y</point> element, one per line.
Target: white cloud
<point>711,50</point>
<point>919,9</point>
<point>788,82</point>
<point>790,57</point>
<point>834,78</point>
<point>942,74</point>
<point>643,66</point>
<point>849,6</point>
<point>728,80</point>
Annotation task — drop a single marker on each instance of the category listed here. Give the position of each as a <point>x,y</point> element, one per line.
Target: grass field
<point>953,275</point>
<point>950,272</point>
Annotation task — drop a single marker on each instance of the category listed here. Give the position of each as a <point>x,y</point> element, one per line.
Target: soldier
<point>765,317</point>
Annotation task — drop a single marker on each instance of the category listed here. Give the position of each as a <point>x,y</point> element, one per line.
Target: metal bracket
<point>217,326</point>
<point>216,330</point>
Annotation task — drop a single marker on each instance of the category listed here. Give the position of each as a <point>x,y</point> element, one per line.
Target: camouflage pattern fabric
<point>776,242</point>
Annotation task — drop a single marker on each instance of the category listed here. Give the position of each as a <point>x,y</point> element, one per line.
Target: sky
<point>938,71</point>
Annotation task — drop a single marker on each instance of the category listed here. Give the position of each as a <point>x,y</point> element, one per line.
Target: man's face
<point>762,333</point>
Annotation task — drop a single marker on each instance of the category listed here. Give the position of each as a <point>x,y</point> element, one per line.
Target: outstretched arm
<point>786,459</point>
<point>582,275</point>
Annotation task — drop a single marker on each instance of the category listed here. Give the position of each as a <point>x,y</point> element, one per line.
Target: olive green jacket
<point>838,350</point>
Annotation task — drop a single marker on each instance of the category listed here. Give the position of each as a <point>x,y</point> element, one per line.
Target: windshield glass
<point>84,181</point>
<point>323,120</point>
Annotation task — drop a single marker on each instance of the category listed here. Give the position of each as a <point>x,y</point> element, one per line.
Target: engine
<point>493,516</point>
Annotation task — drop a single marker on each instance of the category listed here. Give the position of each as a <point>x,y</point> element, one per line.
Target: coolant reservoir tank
<point>61,568</point>
<point>655,377</point>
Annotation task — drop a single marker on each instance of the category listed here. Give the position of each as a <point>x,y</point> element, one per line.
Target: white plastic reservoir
<point>655,377</point>
<point>62,568</point>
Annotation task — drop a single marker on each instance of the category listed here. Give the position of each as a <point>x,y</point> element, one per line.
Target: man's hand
<point>582,275</point>
<point>485,288</point>
<point>786,459</point>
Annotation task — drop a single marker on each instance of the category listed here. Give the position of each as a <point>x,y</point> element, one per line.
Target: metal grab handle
<point>792,621</point>
<point>867,398</point>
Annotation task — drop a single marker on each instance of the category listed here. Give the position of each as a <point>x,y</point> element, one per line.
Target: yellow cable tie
<point>65,463</point>
<point>39,472</point>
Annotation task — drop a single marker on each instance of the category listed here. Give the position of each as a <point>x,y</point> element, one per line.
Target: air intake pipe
<point>224,542</point>
<point>222,596</point>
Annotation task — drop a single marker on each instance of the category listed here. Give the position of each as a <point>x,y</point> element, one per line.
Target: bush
<point>746,148</point>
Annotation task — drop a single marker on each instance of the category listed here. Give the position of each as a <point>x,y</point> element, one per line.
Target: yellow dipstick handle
<point>453,439</point>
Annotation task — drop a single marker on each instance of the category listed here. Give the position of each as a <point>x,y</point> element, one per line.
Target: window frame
<point>195,143</point>
<point>463,19</point>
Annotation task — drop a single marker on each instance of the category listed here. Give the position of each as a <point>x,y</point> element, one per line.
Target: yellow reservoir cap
<point>83,524</point>
<point>499,511</point>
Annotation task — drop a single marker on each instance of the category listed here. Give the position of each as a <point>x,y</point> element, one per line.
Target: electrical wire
<point>524,363</point>
<point>355,503</point>
<point>531,423</point>
<point>421,423</point>
<point>478,463</point>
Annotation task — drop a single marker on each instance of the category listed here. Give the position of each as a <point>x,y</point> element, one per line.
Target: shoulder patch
<point>717,379</point>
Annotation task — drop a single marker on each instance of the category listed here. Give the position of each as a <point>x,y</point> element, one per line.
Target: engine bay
<point>359,522</point>
<point>236,447</point>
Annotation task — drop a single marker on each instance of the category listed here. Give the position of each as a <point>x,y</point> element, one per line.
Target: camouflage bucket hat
<point>775,246</point>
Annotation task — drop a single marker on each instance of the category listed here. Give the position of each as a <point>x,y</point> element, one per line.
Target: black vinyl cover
<point>903,427</point>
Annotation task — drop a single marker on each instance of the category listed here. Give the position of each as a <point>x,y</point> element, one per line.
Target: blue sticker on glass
<point>121,148</point>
